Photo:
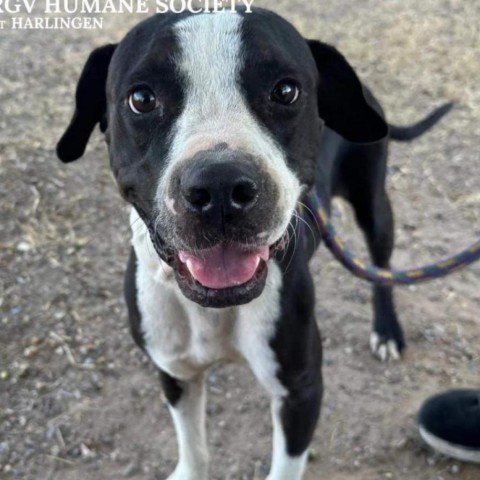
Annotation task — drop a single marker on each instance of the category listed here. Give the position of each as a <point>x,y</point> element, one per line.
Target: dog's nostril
<point>198,197</point>
<point>244,193</point>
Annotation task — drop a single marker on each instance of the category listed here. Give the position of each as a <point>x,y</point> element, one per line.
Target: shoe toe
<point>452,420</point>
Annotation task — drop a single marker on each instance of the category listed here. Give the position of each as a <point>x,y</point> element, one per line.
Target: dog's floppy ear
<point>341,101</point>
<point>90,105</point>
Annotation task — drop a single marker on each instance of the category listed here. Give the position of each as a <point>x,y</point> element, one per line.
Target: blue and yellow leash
<point>375,274</point>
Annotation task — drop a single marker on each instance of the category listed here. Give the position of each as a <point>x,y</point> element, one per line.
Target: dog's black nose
<point>219,187</point>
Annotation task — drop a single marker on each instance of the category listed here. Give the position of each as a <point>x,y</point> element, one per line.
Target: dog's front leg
<point>284,465</point>
<point>279,338</point>
<point>186,401</point>
<point>291,374</point>
<point>294,418</point>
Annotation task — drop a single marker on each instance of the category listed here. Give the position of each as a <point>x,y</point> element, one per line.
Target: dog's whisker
<point>287,243</point>
<point>289,239</point>
<point>309,210</point>
<point>295,238</point>
<point>310,229</point>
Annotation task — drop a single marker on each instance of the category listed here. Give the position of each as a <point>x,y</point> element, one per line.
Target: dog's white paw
<point>384,349</point>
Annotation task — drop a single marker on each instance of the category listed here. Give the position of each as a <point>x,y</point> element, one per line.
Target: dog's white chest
<point>181,337</point>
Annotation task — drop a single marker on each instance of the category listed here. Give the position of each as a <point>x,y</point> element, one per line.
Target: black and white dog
<point>217,125</point>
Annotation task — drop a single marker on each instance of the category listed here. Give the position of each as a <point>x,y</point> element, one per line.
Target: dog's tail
<point>404,134</point>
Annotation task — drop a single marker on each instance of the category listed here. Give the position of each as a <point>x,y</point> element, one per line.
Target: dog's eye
<point>142,100</point>
<point>285,92</point>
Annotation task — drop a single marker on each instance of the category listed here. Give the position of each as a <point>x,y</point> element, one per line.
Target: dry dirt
<point>79,401</point>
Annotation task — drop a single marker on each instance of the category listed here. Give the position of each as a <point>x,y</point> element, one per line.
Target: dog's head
<point>213,123</point>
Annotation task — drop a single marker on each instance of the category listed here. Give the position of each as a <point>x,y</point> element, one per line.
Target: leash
<point>375,274</point>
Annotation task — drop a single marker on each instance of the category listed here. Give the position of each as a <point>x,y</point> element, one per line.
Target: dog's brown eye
<point>142,101</point>
<point>285,92</point>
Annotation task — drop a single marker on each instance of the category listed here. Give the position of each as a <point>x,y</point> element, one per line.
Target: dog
<point>216,126</point>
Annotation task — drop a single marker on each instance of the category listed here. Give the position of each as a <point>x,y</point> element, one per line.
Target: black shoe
<point>450,423</point>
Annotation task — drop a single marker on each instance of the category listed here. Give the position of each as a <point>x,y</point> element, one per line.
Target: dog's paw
<point>385,348</point>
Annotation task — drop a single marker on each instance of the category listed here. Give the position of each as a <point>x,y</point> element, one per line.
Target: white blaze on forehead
<point>211,59</point>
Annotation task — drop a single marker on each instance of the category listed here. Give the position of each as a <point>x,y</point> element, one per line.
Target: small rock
<point>41,387</point>
<point>30,351</point>
<point>36,340</point>
<point>4,451</point>
<point>131,470</point>
<point>434,332</point>
<point>312,455</point>
<point>399,443</point>
<point>216,442</point>
<point>96,382</point>
<point>214,409</point>
<point>242,408</point>
<point>86,452</point>
<point>55,450</point>
<point>24,247</point>
<point>455,469</point>
<point>23,370</point>
<point>215,390</point>
<point>50,433</point>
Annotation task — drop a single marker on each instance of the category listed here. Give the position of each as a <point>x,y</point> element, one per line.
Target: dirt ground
<point>79,401</point>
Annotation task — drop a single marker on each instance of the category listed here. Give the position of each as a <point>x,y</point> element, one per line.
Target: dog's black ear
<point>341,100</point>
<point>90,105</point>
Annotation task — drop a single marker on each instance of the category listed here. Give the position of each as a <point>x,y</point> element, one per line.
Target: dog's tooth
<point>189,264</point>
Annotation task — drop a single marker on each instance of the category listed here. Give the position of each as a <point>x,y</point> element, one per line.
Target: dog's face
<point>213,123</point>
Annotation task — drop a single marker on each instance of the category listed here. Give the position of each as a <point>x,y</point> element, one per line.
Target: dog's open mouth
<point>227,274</point>
<point>225,265</point>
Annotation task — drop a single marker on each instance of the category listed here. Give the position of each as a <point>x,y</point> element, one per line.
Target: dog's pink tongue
<point>224,266</point>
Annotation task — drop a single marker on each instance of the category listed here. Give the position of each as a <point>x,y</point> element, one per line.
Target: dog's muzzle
<point>223,207</point>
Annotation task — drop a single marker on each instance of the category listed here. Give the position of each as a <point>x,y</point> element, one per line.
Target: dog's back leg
<point>364,173</point>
